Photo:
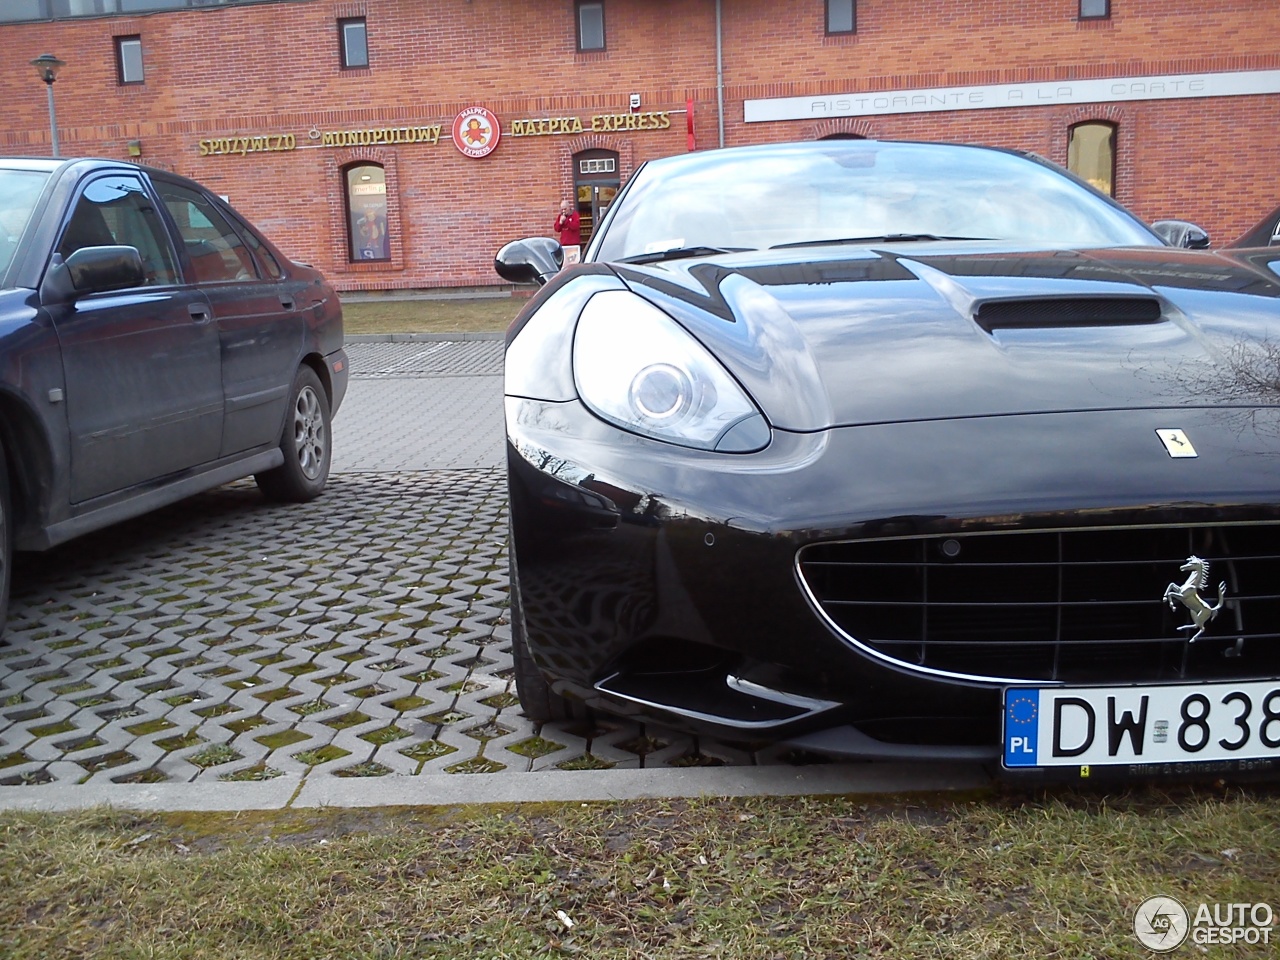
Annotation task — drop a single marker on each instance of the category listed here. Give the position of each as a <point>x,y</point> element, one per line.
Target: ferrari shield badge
<point>1187,593</point>
<point>1176,443</point>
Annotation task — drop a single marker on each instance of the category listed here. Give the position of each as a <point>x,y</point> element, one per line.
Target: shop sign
<point>231,146</point>
<point>993,96</point>
<point>476,132</point>
<point>386,136</point>
<point>280,142</point>
<point>601,123</point>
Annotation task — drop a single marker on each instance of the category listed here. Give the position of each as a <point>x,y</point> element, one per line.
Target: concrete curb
<point>561,786</point>
<point>420,337</point>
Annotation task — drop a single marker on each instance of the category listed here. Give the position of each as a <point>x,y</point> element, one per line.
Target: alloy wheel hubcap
<point>309,433</point>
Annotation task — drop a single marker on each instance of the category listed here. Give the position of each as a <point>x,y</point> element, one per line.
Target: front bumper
<point>662,583</point>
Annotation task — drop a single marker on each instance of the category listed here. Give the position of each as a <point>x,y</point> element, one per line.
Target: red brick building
<point>331,122</point>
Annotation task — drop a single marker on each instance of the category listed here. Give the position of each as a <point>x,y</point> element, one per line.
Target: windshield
<point>19,191</point>
<point>760,197</point>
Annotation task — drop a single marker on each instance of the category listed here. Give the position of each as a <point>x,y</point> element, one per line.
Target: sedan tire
<point>304,443</point>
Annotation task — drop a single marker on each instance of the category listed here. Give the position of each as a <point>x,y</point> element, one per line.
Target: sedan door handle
<point>199,312</point>
<point>287,302</point>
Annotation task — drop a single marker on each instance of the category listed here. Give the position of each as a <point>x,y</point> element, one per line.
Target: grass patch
<point>276,693</point>
<point>53,729</point>
<point>405,704</point>
<point>1057,876</point>
<point>385,735</point>
<point>284,738</point>
<point>352,719</point>
<point>311,706</point>
<point>428,750</point>
<point>480,315</point>
<point>117,758</point>
<point>585,762</point>
<point>259,771</point>
<point>245,724</point>
<point>535,747</point>
<point>14,759</point>
<point>367,769</point>
<point>188,739</point>
<point>215,755</point>
<point>321,755</point>
<point>149,727</point>
<point>70,688</point>
<point>217,710</point>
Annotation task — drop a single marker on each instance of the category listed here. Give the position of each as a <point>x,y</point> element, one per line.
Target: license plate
<point>1100,726</point>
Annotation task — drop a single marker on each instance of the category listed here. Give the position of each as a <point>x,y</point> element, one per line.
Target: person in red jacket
<point>569,225</point>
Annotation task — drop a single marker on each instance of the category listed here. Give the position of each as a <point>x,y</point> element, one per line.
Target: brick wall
<point>273,69</point>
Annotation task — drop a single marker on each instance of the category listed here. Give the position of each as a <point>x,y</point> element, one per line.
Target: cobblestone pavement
<point>361,635</point>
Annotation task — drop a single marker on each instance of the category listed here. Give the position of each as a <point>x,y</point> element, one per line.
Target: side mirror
<point>1180,233</point>
<point>533,260</point>
<point>92,270</point>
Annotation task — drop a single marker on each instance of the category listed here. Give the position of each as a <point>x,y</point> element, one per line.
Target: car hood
<point>830,337</point>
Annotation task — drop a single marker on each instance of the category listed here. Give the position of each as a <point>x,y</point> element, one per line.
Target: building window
<point>842,16</point>
<point>129,59</point>
<point>354,39</point>
<point>590,26</point>
<point>367,213</point>
<point>1091,154</point>
<point>1095,9</point>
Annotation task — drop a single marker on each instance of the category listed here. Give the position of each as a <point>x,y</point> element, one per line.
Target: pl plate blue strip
<point>1021,727</point>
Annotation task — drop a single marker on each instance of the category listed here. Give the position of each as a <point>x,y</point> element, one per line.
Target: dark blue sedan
<point>152,345</point>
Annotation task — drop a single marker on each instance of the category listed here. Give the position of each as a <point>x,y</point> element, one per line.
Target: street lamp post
<point>47,66</point>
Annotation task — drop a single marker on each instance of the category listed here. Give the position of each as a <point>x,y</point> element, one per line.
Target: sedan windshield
<point>19,191</point>
<point>857,191</point>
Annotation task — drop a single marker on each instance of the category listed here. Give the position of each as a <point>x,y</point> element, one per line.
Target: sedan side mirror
<point>92,270</point>
<point>1180,233</point>
<point>532,260</point>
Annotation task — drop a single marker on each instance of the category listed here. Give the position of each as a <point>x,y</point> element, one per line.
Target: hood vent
<point>1046,312</point>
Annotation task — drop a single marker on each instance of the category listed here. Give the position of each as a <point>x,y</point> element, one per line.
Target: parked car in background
<point>1265,234</point>
<point>153,344</point>
<point>900,450</point>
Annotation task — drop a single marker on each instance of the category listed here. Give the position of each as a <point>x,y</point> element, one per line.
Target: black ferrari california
<point>900,450</point>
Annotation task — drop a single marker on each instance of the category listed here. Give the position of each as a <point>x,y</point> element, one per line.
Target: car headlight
<point>637,368</point>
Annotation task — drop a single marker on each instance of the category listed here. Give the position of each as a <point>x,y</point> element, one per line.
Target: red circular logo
<point>476,132</point>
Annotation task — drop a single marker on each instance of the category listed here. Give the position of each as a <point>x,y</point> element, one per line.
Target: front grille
<point>1076,606</point>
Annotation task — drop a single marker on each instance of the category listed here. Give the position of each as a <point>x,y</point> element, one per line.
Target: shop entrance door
<point>595,180</point>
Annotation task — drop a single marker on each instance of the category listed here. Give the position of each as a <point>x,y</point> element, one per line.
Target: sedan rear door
<point>256,314</point>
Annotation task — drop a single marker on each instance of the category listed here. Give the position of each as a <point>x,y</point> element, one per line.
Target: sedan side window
<point>266,260</point>
<point>116,210</point>
<point>217,253</point>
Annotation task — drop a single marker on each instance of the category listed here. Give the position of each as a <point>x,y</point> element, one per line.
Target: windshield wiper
<point>679,253</point>
<point>883,238</point>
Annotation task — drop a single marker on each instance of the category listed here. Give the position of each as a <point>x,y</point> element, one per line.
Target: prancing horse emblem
<point>1188,594</point>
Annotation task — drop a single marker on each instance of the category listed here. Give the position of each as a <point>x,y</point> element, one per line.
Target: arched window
<point>367,212</point>
<point>843,136</point>
<point>1091,154</point>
